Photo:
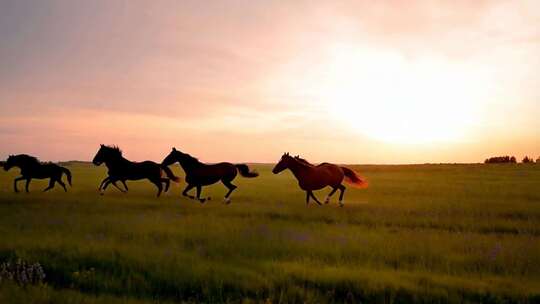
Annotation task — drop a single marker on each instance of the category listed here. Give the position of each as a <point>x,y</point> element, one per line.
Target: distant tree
<point>527,160</point>
<point>501,160</point>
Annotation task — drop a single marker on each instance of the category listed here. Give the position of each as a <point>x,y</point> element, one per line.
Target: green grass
<point>424,233</point>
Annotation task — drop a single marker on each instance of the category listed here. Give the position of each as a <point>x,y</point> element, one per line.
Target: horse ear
<point>174,149</point>
<point>102,145</point>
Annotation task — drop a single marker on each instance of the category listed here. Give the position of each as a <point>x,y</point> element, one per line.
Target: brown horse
<point>311,177</point>
<point>199,174</point>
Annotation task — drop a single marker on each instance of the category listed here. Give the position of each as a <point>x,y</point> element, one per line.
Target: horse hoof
<point>209,198</point>
<point>202,200</point>
<point>341,204</point>
<point>101,193</point>
<point>227,200</point>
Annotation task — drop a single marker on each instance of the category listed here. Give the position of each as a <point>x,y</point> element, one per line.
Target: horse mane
<point>191,159</point>
<point>113,149</point>
<point>25,158</point>
<point>303,160</point>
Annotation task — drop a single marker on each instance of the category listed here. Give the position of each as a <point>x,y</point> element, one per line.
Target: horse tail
<point>244,171</point>
<point>170,175</point>
<point>354,179</point>
<point>68,174</point>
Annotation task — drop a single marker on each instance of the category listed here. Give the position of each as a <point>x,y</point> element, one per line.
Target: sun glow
<point>401,100</point>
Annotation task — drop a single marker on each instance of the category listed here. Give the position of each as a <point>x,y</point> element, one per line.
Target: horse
<point>199,174</point>
<point>31,167</point>
<point>314,177</point>
<point>121,169</point>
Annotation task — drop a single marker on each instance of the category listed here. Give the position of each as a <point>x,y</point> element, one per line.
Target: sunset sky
<point>339,81</point>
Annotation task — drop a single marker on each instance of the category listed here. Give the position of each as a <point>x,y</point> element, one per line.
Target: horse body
<point>128,170</point>
<point>31,168</point>
<point>199,174</point>
<point>315,177</point>
<point>205,174</point>
<point>122,169</point>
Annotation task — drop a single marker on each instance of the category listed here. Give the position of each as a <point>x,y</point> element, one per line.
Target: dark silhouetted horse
<point>31,167</point>
<point>314,177</point>
<point>199,174</point>
<point>121,169</point>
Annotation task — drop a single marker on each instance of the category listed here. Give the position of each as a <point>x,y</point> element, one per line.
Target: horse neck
<point>298,169</point>
<point>116,162</point>
<point>24,164</point>
<point>188,164</point>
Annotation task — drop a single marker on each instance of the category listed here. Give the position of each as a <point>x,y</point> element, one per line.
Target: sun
<point>401,100</point>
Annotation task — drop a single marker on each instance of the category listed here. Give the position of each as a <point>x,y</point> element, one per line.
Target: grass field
<point>425,233</point>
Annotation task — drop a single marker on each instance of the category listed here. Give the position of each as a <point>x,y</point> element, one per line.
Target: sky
<point>244,81</point>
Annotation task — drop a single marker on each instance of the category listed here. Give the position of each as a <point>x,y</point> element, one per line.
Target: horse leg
<point>107,183</point>
<point>117,187</point>
<point>342,191</point>
<point>62,184</point>
<point>106,179</point>
<point>27,184</point>
<point>185,192</point>
<point>15,183</point>
<point>307,198</point>
<point>313,196</point>
<point>231,187</point>
<point>167,183</point>
<point>327,200</point>
<point>158,184</point>
<point>51,185</point>
<point>202,200</point>
<point>125,185</point>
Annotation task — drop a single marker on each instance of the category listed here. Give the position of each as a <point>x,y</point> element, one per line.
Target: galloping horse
<point>121,169</point>
<point>311,177</point>
<point>199,174</point>
<point>31,167</point>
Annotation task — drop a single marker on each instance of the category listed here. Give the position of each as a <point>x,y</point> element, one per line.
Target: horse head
<point>173,157</point>
<point>106,153</point>
<point>9,163</point>
<point>283,163</point>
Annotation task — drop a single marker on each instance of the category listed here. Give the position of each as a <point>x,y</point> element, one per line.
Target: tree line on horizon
<point>492,160</point>
<point>510,160</point>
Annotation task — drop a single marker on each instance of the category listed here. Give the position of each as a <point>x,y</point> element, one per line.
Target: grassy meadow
<point>422,233</point>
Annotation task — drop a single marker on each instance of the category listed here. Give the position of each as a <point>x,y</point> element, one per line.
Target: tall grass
<point>443,233</point>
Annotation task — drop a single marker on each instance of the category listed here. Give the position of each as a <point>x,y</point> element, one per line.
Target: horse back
<point>207,174</point>
<point>318,177</point>
<point>135,170</point>
<point>46,170</point>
